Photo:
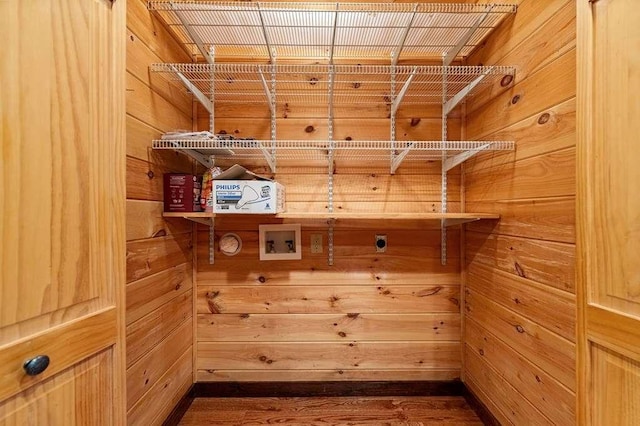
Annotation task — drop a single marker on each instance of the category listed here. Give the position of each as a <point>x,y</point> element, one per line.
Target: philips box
<point>236,190</point>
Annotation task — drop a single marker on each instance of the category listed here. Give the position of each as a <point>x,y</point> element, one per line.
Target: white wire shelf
<point>330,31</point>
<point>321,150</point>
<point>342,85</point>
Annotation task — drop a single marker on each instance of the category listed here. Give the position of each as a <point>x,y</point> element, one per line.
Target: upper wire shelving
<point>330,31</point>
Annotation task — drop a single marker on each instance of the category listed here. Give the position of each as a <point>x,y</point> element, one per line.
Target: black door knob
<point>36,365</point>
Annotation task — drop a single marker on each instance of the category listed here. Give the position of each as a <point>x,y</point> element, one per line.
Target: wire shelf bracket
<point>269,157</point>
<point>267,92</point>
<point>462,94</point>
<point>452,162</point>
<point>204,101</point>
<point>403,91</point>
<point>455,51</point>
<point>395,55</point>
<point>397,159</point>
<point>265,33</point>
<point>194,36</point>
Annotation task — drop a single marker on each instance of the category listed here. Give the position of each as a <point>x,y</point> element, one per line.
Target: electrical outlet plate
<point>381,243</point>
<point>316,243</point>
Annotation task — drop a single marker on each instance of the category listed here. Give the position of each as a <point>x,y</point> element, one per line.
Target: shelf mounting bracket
<point>206,103</point>
<point>210,222</point>
<point>451,162</point>
<point>458,97</point>
<point>194,36</point>
<point>333,34</point>
<point>403,39</point>
<point>398,158</point>
<point>454,51</point>
<point>268,157</point>
<point>403,91</point>
<point>265,33</point>
<point>205,160</point>
<point>267,92</point>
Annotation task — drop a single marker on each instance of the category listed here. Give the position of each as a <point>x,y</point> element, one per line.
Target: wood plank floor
<point>448,410</point>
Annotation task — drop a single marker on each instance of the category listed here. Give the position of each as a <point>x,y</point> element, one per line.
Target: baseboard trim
<point>181,408</point>
<point>311,389</point>
<point>481,410</point>
<point>327,389</point>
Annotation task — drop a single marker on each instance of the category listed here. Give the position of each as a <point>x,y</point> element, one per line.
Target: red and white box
<point>182,192</point>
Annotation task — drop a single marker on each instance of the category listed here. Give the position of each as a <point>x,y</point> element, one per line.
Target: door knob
<point>36,365</point>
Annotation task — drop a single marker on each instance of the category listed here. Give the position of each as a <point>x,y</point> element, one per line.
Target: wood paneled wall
<point>519,291</point>
<point>370,316</point>
<point>159,252</point>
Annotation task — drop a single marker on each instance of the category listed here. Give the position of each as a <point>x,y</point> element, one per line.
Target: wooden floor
<point>448,410</point>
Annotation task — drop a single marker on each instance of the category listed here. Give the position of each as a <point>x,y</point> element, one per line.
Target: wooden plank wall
<point>159,252</point>
<point>519,291</point>
<point>370,316</point>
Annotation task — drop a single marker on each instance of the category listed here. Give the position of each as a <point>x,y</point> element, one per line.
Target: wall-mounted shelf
<point>453,152</point>
<point>330,31</point>
<point>194,216</point>
<point>451,219</point>
<point>343,40</point>
<point>441,219</point>
<point>331,85</point>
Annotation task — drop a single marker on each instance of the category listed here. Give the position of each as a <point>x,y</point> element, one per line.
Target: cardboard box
<point>182,192</point>
<point>236,190</point>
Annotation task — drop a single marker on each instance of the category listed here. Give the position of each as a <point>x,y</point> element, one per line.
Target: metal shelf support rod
<point>396,54</point>
<point>272,100</point>
<point>451,162</point>
<point>403,91</point>
<point>458,97</point>
<point>206,103</point>
<point>212,90</point>
<point>330,165</point>
<point>331,141</point>
<point>454,51</point>
<point>392,124</point>
<point>212,237</point>
<point>443,189</point>
<point>194,36</point>
<point>331,224</point>
<point>443,242</point>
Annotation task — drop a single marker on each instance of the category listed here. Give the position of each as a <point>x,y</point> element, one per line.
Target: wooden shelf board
<point>451,218</point>
<point>188,215</point>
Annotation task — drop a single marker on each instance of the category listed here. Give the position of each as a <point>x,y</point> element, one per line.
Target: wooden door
<point>62,210</point>
<point>609,212</point>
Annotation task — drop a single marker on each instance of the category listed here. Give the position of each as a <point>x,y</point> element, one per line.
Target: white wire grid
<point>309,84</point>
<point>329,31</point>
<point>319,150</point>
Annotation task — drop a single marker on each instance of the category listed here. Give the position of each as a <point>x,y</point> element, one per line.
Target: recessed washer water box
<point>237,190</point>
